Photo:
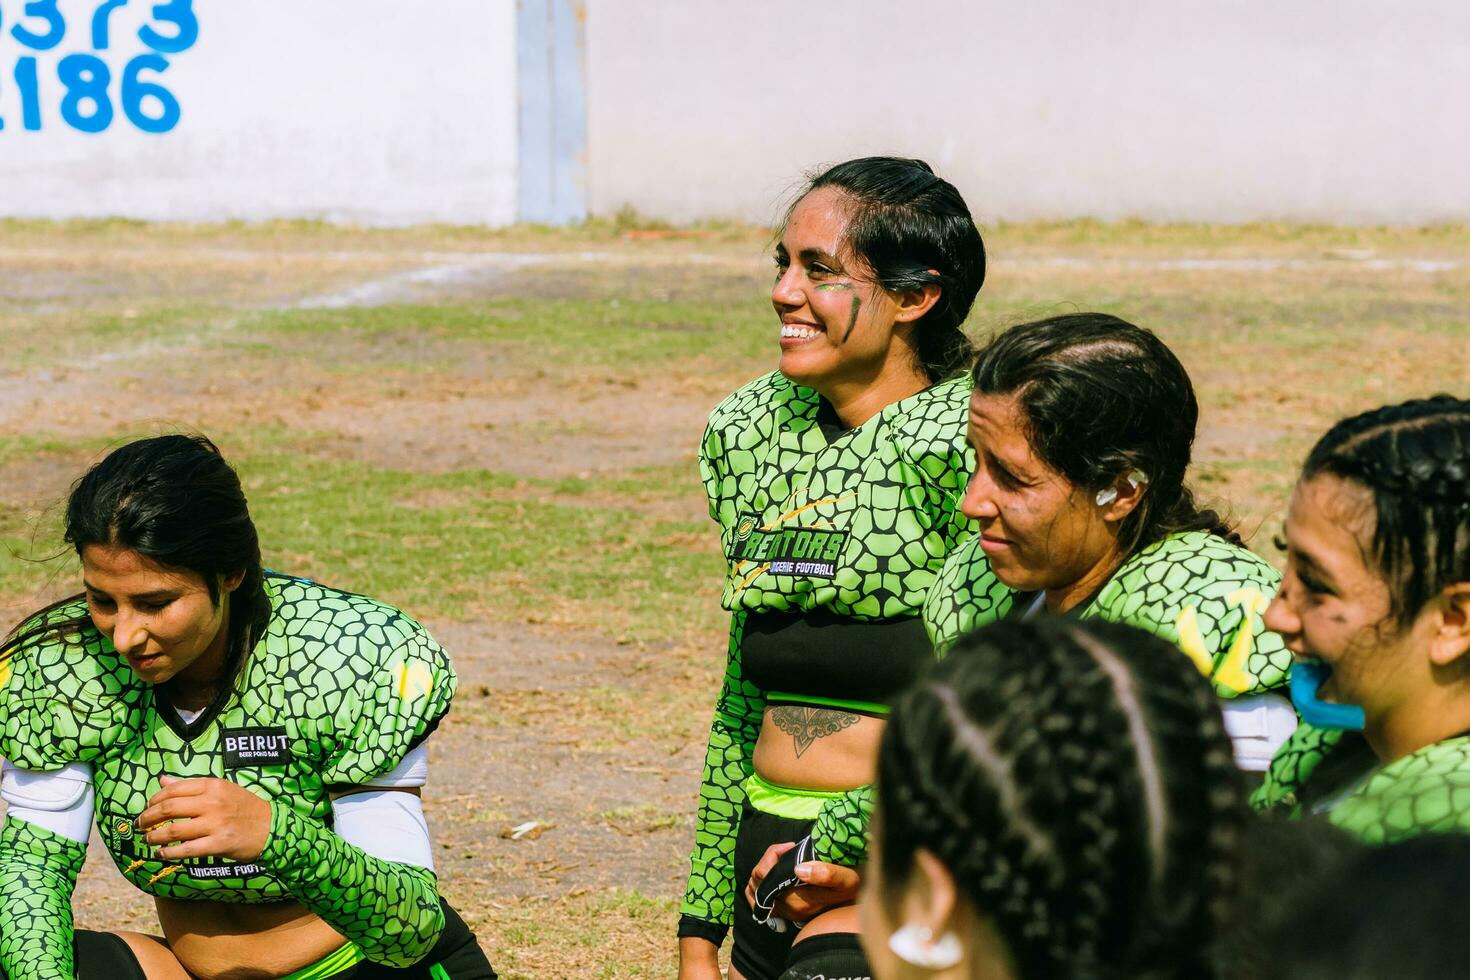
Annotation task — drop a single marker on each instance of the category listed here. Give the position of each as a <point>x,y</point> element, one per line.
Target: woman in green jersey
<point>1375,604</point>
<point>249,746</point>
<point>834,481</point>
<point>1082,427</point>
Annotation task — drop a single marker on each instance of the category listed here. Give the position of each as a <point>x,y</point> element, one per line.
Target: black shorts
<point>760,953</point>
<point>457,956</point>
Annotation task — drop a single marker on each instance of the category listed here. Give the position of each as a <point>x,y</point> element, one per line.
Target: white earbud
<point>916,945</point>
<point>1107,495</point>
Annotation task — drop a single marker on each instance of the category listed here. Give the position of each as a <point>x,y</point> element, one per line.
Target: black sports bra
<point>821,659</point>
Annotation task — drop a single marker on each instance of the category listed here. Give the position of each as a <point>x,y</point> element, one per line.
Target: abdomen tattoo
<point>806,725</point>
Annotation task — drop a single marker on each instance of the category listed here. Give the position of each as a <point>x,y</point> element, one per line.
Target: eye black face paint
<point>852,320</point>
<point>857,304</point>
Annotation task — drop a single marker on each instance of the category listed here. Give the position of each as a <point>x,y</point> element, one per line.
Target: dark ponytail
<point>914,229</point>
<point>1415,458</point>
<point>1077,780</point>
<point>1101,398</point>
<point>175,500</point>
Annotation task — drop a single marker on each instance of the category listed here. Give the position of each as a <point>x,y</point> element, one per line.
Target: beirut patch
<point>255,747</point>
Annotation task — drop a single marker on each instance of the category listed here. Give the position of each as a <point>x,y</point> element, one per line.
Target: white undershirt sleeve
<point>59,801</point>
<point>1258,724</point>
<point>385,821</point>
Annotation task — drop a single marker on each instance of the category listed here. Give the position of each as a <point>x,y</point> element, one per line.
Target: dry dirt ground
<point>554,379</point>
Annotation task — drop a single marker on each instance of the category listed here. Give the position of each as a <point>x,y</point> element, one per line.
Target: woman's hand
<point>206,818</point>
<point>699,959</point>
<point>825,885</point>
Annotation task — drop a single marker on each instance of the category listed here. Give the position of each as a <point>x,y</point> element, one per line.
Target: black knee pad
<point>831,956</point>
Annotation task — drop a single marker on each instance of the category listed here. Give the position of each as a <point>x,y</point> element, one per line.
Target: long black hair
<point>1415,459</point>
<point>914,229</point>
<point>175,500</point>
<point>1101,398</point>
<point>1077,781</point>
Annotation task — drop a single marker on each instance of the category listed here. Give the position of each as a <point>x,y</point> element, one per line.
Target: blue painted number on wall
<point>179,13</point>
<point>101,23</point>
<point>79,87</point>
<point>43,10</point>
<point>135,90</point>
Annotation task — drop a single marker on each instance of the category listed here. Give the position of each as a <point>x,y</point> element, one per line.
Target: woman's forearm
<point>38,872</point>
<point>389,910</point>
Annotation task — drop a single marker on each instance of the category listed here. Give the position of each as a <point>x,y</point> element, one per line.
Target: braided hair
<point>1076,779</point>
<point>914,229</point>
<point>1102,397</point>
<point>1415,459</point>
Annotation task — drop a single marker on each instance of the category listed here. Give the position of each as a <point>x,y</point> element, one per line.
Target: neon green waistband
<point>340,960</point>
<point>784,801</point>
<point>861,707</point>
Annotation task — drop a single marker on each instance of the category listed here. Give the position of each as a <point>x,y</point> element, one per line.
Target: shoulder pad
<point>66,698</point>
<point>49,791</point>
<point>1422,793</point>
<point>1207,596</point>
<point>396,685</point>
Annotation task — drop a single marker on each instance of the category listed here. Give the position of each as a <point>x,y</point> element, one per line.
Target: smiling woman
<point>211,716</point>
<point>1376,603</point>
<point>833,481</point>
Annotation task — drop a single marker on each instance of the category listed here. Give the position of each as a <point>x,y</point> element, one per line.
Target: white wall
<point>1230,110</point>
<point>384,112</point>
<point>364,111</point>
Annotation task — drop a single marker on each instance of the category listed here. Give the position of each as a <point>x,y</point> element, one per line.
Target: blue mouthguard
<point>1307,677</point>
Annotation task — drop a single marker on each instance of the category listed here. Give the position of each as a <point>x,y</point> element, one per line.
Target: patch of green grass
<point>476,556</point>
<point>556,332</point>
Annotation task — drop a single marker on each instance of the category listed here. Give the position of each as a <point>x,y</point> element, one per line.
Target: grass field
<point>496,431</point>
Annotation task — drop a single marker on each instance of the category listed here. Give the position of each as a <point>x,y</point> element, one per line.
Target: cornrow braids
<point>1077,780</point>
<point>1415,459</point>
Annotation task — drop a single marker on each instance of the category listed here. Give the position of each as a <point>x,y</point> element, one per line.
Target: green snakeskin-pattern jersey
<point>337,691</point>
<point>856,523</point>
<point>390,911</point>
<point>37,877</point>
<point>1194,589</point>
<point>1425,792</point>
